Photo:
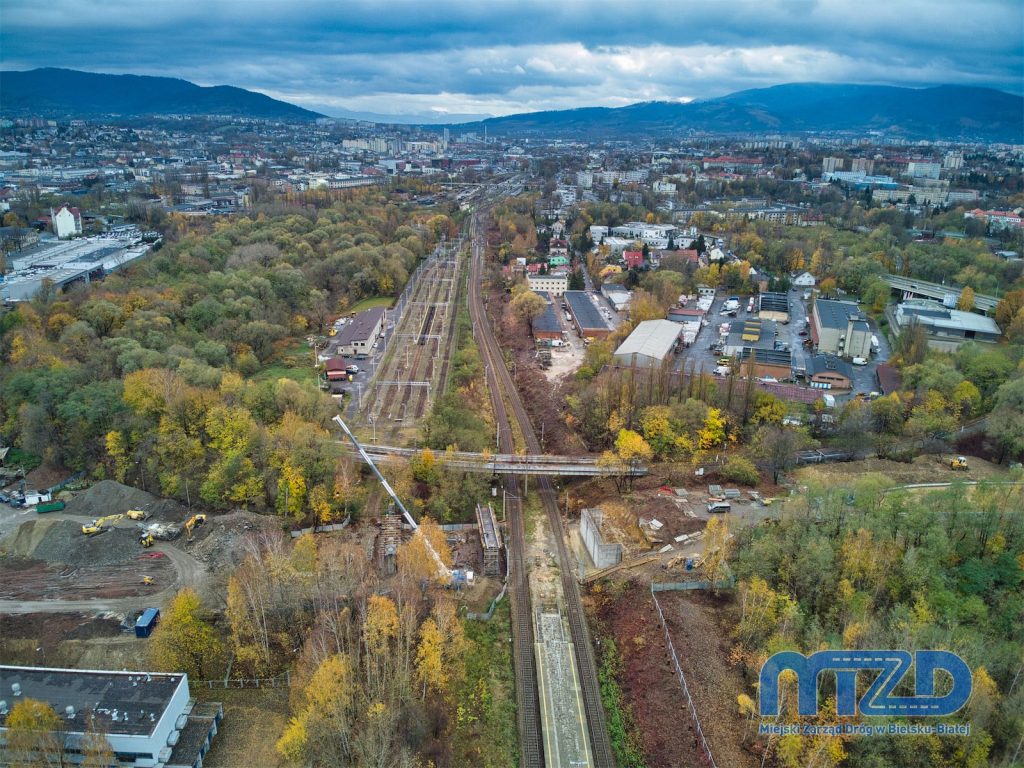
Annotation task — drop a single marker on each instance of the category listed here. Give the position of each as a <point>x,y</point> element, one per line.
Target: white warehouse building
<point>149,718</point>
<point>650,344</point>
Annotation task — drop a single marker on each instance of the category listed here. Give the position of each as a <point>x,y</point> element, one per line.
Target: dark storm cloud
<point>502,57</point>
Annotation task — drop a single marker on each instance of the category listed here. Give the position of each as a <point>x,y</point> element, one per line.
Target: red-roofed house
<point>691,255</point>
<point>633,259</point>
<point>67,222</point>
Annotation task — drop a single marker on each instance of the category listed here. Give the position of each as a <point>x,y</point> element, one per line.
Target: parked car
<point>352,369</point>
<point>859,361</point>
<point>768,380</point>
<point>719,506</point>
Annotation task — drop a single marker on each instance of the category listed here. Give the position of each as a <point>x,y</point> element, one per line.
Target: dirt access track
<point>47,565</point>
<point>700,627</point>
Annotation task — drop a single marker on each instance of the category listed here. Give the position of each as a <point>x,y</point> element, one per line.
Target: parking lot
<point>701,352</point>
<point>367,367</point>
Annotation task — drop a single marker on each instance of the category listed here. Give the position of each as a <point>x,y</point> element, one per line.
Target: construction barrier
<point>281,681</point>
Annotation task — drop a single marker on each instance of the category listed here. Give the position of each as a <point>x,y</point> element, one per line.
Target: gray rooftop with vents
<point>129,703</point>
<point>834,314</point>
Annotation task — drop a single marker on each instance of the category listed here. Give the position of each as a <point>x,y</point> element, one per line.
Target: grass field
<point>294,362</point>
<point>253,721</point>
<point>373,301</point>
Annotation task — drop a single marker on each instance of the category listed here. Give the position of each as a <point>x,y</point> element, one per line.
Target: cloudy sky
<point>496,57</point>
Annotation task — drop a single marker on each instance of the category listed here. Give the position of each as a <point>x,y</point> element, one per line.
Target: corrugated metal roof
<point>651,338</point>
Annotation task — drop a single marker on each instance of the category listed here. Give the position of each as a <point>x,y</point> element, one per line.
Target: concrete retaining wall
<point>603,555</point>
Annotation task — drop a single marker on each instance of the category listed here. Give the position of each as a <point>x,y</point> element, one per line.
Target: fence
<point>73,479</point>
<point>701,740</point>
<point>323,528</point>
<point>281,681</point>
<point>680,586</point>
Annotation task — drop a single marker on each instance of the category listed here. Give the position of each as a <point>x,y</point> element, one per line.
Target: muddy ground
<point>700,627</point>
<point>69,640</point>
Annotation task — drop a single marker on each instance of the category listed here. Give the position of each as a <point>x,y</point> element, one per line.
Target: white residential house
<point>67,222</point>
<point>804,280</point>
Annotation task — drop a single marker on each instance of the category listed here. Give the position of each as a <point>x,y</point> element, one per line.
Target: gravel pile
<point>221,542</point>
<point>110,498</point>
<point>65,543</point>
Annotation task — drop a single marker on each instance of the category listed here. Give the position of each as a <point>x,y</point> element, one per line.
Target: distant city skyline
<point>460,60</point>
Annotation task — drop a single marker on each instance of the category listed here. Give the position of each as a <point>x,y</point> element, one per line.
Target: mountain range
<point>58,93</point>
<point>942,112</point>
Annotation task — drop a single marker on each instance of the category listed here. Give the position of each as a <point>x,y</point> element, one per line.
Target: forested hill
<point>941,112</point>
<point>52,92</point>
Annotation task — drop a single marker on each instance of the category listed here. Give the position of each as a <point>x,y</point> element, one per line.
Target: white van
<point>719,506</point>
<point>859,361</point>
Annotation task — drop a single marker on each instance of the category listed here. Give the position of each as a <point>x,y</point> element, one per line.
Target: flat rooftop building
<point>149,718</point>
<point>586,316</point>
<point>750,334</point>
<point>947,328</point>
<point>773,306</point>
<point>840,328</point>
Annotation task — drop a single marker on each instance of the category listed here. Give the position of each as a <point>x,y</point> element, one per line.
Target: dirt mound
<point>220,543</point>
<point>109,498</point>
<point>22,541</point>
<point>65,543</point>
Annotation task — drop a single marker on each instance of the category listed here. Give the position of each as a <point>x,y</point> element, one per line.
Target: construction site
<point>114,548</point>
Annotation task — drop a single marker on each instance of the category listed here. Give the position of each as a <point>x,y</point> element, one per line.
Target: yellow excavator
<point>100,524</point>
<point>146,539</point>
<point>958,463</point>
<point>192,523</point>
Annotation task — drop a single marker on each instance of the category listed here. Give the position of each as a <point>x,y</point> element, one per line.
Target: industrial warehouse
<point>649,345</point>
<point>149,719</point>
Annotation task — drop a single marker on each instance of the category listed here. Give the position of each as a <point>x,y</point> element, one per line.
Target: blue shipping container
<point>148,619</point>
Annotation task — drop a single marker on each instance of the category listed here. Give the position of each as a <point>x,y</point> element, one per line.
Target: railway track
<point>527,694</point>
<point>416,358</point>
<point>586,664</point>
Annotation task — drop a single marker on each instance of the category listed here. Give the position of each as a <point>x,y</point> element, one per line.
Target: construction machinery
<point>101,524</point>
<point>444,574</point>
<point>192,523</point>
<point>136,514</point>
<point>146,539</point>
<point>148,581</point>
<point>958,463</point>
